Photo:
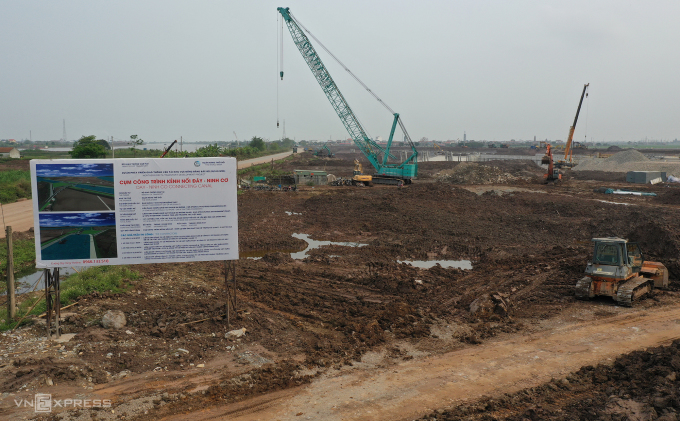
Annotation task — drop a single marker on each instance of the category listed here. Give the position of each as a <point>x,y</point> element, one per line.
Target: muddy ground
<point>528,244</point>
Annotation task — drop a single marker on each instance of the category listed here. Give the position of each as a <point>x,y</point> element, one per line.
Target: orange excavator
<point>553,175</point>
<point>168,149</point>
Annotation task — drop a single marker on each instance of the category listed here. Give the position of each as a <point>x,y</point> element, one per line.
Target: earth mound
<point>491,173</point>
<point>642,385</point>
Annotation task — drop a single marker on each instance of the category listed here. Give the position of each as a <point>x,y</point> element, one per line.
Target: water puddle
<point>314,244</point>
<point>446,264</point>
<point>299,254</point>
<point>25,284</point>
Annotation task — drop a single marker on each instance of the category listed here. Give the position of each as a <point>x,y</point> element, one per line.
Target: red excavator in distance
<point>168,149</point>
<point>553,175</point>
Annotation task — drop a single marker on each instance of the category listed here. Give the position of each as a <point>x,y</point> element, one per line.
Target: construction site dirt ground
<point>348,332</point>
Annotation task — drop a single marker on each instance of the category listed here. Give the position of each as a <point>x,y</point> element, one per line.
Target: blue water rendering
<point>75,246</point>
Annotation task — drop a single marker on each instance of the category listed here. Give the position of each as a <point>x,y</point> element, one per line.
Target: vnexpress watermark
<point>43,402</point>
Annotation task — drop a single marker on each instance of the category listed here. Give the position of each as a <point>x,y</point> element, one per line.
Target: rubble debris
<point>488,304</point>
<point>113,319</point>
<point>489,173</point>
<point>232,334</point>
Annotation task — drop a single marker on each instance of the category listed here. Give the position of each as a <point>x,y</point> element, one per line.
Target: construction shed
<point>9,153</point>
<point>318,178</point>
<point>644,177</point>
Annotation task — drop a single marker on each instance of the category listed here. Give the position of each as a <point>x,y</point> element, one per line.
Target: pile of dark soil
<point>642,385</point>
<point>670,196</point>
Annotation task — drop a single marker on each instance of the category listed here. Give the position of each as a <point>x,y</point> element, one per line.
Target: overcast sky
<point>497,70</point>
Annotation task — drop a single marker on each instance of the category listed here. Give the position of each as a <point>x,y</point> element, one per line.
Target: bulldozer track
<point>626,294</point>
<point>583,288</point>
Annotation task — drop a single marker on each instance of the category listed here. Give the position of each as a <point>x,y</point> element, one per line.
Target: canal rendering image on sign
<point>67,236</point>
<point>75,187</point>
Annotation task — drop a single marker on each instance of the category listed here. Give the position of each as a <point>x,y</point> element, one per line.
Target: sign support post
<point>53,302</point>
<point>230,285</point>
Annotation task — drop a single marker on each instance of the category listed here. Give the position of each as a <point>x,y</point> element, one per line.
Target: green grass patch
<point>24,260</point>
<point>14,185</point>
<point>101,279</point>
<point>265,170</point>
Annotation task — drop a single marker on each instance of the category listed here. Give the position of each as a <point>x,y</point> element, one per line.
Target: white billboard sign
<point>91,212</point>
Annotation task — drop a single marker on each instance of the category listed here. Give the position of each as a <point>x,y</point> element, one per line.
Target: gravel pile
<point>630,160</point>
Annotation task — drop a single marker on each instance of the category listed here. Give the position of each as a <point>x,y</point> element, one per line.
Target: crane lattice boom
<point>368,147</point>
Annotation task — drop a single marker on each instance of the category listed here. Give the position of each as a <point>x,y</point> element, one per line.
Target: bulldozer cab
<point>634,256</point>
<point>617,252</point>
<point>607,253</point>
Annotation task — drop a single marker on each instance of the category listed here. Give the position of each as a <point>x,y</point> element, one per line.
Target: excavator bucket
<point>545,160</point>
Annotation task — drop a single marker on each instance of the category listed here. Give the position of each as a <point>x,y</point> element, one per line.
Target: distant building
<point>9,153</point>
<point>318,178</point>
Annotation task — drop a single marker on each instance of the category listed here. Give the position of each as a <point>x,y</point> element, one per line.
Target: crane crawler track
<point>630,291</point>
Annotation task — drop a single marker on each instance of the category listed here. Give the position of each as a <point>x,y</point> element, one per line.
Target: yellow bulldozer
<point>618,270</point>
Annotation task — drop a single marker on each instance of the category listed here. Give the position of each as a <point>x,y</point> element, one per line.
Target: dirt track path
<point>414,388</point>
<point>18,215</point>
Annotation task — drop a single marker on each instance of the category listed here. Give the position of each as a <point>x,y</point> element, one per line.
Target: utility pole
<point>180,145</point>
<point>113,153</point>
<point>64,134</point>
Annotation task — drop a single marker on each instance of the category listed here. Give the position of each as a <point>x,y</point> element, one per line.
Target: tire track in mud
<point>416,387</point>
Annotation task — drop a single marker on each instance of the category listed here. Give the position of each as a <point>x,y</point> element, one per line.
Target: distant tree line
<point>91,147</point>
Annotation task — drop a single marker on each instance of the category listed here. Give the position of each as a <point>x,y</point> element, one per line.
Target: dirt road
<point>261,160</point>
<point>413,388</point>
<point>20,214</point>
